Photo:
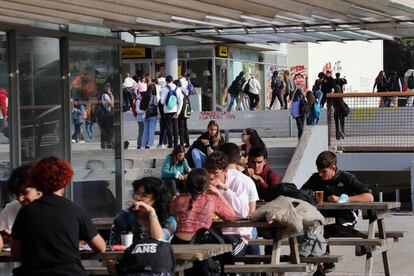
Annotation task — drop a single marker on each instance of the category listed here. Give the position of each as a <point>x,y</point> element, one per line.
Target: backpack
<point>102,113</point>
<point>317,108</point>
<point>410,81</point>
<point>277,83</point>
<point>147,256</point>
<point>190,88</point>
<point>171,100</point>
<point>152,109</point>
<point>232,90</point>
<point>304,106</point>
<point>186,109</point>
<point>247,87</point>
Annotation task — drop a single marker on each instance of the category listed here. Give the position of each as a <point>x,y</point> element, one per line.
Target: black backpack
<point>185,112</point>
<point>410,81</point>
<point>145,256</point>
<point>277,83</point>
<point>233,90</point>
<point>247,87</point>
<point>304,106</point>
<point>290,190</point>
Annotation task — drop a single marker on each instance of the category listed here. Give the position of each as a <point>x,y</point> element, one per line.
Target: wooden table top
<point>183,252</point>
<point>378,206</point>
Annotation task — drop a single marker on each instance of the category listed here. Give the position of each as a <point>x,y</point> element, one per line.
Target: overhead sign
<point>136,53</point>
<point>222,51</point>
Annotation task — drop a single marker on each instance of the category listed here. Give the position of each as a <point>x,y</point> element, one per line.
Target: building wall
<point>358,61</point>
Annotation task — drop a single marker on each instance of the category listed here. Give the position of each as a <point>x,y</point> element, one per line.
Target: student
<point>174,169</point>
<point>19,185</point>
<point>205,145</point>
<point>148,214</point>
<point>300,110</point>
<point>337,186</point>
<point>78,118</point>
<point>46,233</point>
<point>194,209</point>
<point>250,139</point>
<point>260,172</point>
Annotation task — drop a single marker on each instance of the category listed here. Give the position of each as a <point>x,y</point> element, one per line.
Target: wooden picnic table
<point>375,213</point>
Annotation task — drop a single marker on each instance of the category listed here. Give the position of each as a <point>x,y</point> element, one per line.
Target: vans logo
<point>145,248</point>
<point>340,184</point>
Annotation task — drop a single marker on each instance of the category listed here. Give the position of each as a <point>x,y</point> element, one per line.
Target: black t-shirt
<point>49,230</point>
<point>341,183</point>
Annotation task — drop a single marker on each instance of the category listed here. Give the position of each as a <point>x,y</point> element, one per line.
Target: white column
<point>171,61</point>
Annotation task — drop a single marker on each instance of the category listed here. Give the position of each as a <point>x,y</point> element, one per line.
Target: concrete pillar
<point>412,186</point>
<point>171,61</point>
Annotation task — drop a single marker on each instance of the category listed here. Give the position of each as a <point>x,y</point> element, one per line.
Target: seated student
<point>46,232</point>
<point>337,185</point>
<point>261,173</point>
<point>24,192</point>
<point>149,214</point>
<point>174,169</point>
<point>250,139</point>
<point>204,145</point>
<point>195,208</point>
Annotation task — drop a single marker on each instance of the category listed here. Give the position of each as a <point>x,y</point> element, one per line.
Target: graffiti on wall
<point>300,75</point>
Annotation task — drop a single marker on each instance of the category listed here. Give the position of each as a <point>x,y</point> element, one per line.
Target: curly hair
<point>50,174</point>
<point>162,196</point>
<point>216,161</point>
<point>196,183</point>
<point>18,180</point>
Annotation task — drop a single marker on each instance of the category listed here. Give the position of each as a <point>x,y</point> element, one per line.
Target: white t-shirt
<point>249,184</point>
<point>8,215</point>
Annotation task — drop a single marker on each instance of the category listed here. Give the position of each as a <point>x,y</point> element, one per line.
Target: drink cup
<point>319,196</point>
<point>126,238</point>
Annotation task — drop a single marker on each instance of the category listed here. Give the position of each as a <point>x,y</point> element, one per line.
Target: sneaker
<point>328,267</point>
<point>81,141</point>
<point>186,145</point>
<point>147,147</point>
<point>73,141</point>
<point>159,146</point>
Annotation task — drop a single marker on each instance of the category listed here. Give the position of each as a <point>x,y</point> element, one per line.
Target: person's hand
<point>175,116</point>
<point>333,198</point>
<point>219,184</point>
<point>141,206</point>
<point>250,172</point>
<point>205,142</point>
<point>5,122</point>
<point>212,190</point>
<point>181,177</point>
<point>188,170</point>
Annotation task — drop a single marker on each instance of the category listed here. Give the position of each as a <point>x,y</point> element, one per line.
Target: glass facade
<point>94,79</point>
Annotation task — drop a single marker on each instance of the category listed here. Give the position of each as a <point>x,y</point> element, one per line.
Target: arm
<point>364,197</point>
<point>252,207</point>
<point>156,229</point>
<point>237,198</point>
<point>223,210</point>
<point>97,244</point>
<point>163,95</point>
<point>167,171</point>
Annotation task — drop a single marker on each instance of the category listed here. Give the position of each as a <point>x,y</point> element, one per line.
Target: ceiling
<point>221,21</point>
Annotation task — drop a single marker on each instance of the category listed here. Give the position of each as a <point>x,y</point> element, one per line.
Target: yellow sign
<point>134,52</point>
<point>222,51</point>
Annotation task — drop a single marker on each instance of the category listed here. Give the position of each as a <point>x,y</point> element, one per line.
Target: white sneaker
<point>81,141</point>
<point>73,141</point>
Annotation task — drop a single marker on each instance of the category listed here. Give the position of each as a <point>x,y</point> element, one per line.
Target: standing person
<point>185,114</point>
<point>172,99</point>
<point>337,185</point>
<point>339,83</point>
<point>141,86</point>
<point>252,87</point>
<point>381,83</point>
<point>162,141</point>
<point>277,85</point>
<point>150,102</point>
<point>128,92</point>
<point>148,214</point>
<point>139,104</point>
<point>174,169</point>
<point>78,116</point>
<point>299,110</point>
<point>339,116</point>
<point>195,208</point>
<point>327,86</point>
<point>89,121</point>
<point>290,87</point>
<point>204,145</point>
<point>46,248</point>
<point>409,81</point>
<point>234,90</point>
<point>242,105</point>
<point>4,104</point>
<point>395,86</point>
<point>261,173</point>
<point>314,109</point>
<point>105,115</point>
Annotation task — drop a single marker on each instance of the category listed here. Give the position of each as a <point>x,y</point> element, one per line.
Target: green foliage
<point>399,55</point>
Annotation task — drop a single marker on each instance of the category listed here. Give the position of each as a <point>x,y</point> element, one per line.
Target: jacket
<point>78,114</point>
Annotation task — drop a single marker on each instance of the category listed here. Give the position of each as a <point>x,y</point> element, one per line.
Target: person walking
<point>252,89</point>
<point>105,116</point>
<point>128,91</point>
<point>277,85</point>
<point>290,87</point>
<point>150,102</point>
<point>299,110</point>
<point>78,117</point>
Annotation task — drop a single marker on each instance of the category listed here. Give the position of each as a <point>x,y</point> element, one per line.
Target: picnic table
<point>375,213</point>
<point>185,254</point>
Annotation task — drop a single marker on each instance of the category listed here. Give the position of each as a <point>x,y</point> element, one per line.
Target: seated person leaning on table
<point>149,214</point>
<point>195,208</point>
<point>46,232</point>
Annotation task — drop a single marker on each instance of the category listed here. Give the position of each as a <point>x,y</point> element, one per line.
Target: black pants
<point>300,123</point>
<point>253,100</point>
<point>107,135</point>
<point>182,126</point>
<point>172,129</point>
<point>163,131</point>
<point>128,95</point>
<point>278,94</point>
<point>285,98</point>
<point>339,123</point>
<point>323,100</point>
<point>77,134</point>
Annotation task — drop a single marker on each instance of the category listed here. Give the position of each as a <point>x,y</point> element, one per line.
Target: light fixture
<point>206,73</point>
<point>189,71</point>
<point>193,75</point>
<point>194,21</point>
<point>226,20</point>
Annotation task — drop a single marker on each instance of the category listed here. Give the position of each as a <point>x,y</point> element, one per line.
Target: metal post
<point>227,135</point>
<point>397,197</point>
<point>380,196</point>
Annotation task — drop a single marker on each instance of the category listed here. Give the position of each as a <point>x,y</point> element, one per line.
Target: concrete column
<point>412,186</point>
<point>171,61</point>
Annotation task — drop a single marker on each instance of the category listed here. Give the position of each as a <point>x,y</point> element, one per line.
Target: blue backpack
<point>190,88</point>
<point>171,100</point>
<point>317,108</point>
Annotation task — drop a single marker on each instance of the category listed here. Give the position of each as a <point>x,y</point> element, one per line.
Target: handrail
<point>369,94</point>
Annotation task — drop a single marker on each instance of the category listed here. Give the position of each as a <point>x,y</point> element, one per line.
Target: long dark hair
<point>255,139</point>
<point>298,94</point>
<point>197,183</point>
<point>162,197</point>
<point>178,149</point>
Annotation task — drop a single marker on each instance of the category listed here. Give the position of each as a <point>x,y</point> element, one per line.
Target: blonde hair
<point>217,136</point>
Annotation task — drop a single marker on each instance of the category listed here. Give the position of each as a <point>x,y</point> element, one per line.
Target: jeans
<point>254,100</point>
<point>140,132</point>
<point>253,249</point>
<point>300,122</point>
<point>149,132</point>
<point>172,128</point>
<point>198,157</point>
<point>89,130</point>
<point>76,134</point>
<point>183,130</point>
<point>232,99</point>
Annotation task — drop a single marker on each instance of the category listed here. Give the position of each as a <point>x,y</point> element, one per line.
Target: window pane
<point>94,88</point>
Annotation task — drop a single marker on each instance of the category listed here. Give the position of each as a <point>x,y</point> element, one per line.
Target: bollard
<point>380,196</point>
<point>397,197</point>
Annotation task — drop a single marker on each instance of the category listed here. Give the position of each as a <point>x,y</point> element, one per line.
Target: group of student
<point>228,184</point>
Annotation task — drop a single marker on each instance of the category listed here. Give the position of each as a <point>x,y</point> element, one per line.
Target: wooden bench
<point>309,260</point>
<point>97,270</point>
<point>250,268</point>
<point>356,241</point>
<point>395,235</point>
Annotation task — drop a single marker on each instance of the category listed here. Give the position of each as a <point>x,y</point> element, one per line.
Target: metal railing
<point>377,122</point>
